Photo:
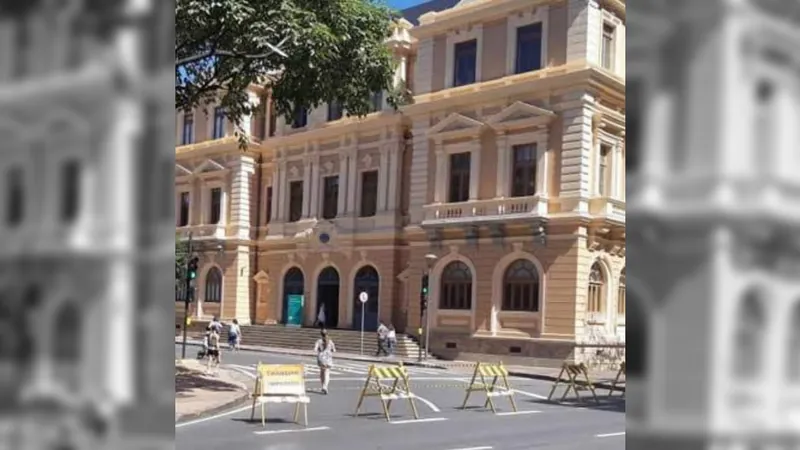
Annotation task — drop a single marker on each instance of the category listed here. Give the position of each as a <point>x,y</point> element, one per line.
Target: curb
<point>239,400</point>
<point>427,365</point>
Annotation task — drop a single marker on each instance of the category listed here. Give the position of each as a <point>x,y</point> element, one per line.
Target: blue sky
<point>403,4</point>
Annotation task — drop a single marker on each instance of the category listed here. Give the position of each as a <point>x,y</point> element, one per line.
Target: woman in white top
<point>234,335</point>
<point>391,338</point>
<point>324,349</point>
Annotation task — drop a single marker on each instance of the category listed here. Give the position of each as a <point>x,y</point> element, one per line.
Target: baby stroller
<point>203,351</point>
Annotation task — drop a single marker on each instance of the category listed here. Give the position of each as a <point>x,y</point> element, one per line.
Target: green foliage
<point>334,50</point>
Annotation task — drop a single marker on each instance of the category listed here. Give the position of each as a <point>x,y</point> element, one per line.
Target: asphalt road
<point>443,425</point>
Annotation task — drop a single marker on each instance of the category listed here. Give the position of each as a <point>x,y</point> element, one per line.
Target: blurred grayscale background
<point>713,121</point>
<point>86,224</point>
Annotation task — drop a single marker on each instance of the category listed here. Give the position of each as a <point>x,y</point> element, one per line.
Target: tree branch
<point>215,52</point>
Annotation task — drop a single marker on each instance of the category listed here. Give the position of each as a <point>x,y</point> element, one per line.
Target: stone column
<point>440,189</point>
<point>503,161</point>
<point>306,188</point>
<point>283,190</point>
<point>394,174</point>
<point>343,178</point>
<point>240,197</point>
<point>314,186</point>
<point>352,178</point>
<point>276,188</point>
<point>617,169</point>
<point>383,178</point>
<point>542,166</point>
<point>475,169</point>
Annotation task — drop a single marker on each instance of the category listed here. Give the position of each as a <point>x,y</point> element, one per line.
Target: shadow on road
<point>186,381</point>
<point>257,421</point>
<point>612,404</point>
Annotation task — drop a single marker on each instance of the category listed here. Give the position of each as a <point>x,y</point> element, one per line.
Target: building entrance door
<point>366,280</point>
<point>328,296</point>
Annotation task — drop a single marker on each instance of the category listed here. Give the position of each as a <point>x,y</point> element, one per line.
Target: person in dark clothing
<point>383,335</point>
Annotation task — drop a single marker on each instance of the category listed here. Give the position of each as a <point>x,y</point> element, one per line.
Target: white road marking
<point>430,404</point>
<point>609,434</point>
<point>206,419</point>
<point>299,430</point>
<point>429,419</point>
<point>530,394</point>
<point>516,413</point>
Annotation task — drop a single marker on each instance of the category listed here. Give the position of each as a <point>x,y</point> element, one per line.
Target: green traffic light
<point>192,275</point>
<point>424,290</point>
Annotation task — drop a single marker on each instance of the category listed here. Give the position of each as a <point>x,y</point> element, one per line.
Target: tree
<point>309,51</point>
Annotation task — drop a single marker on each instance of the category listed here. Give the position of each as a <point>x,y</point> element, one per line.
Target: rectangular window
<point>216,205</point>
<point>465,58</point>
<point>529,48</point>
<point>369,193</point>
<point>335,111</point>
<point>15,196</point>
<point>295,201</point>
<point>523,171</point>
<point>604,172</point>
<point>460,166</point>
<point>269,204</point>
<point>219,122</point>
<point>330,197</point>
<point>188,129</point>
<point>608,47</point>
<point>300,118</point>
<point>70,190</point>
<point>183,219</point>
<point>377,101</point>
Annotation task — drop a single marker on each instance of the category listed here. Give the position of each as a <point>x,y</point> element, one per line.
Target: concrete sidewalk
<point>198,394</point>
<point>601,379</point>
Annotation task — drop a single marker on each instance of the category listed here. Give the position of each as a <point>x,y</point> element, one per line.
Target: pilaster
<point>578,141</point>
<point>418,176</point>
<point>583,32</point>
<point>503,165</point>
<point>241,201</point>
<point>395,173</point>
<point>440,190</point>
<point>423,68</point>
<point>343,179</point>
<point>383,178</point>
<point>315,187</point>
<point>306,188</point>
<point>352,178</point>
<point>475,169</point>
<point>283,190</point>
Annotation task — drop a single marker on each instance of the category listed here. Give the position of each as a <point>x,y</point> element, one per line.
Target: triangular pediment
<point>455,122</point>
<point>182,171</point>
<point>518,111</point>
<point>261,277</point>
<point>209,165</point>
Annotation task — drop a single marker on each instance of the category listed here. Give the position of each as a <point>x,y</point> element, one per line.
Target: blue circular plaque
<point>324,238</point>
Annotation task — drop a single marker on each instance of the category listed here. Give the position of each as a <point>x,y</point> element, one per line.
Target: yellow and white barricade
<point>280,383</point>
<point>399,389</point>
<point>620,373</point>
<point>498,373</point>
<point>573,371</point>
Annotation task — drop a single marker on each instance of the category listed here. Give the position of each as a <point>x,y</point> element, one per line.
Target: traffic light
<point>191,268</point>
<point>423,295</point>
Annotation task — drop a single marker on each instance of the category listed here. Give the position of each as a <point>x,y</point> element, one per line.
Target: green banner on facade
<point>294,305</point>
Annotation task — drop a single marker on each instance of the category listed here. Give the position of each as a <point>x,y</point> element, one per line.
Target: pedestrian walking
<point>234,335</point>
<point>216,324</point>
<point>321,316</point>
<point>324,348</point>
<point>383,334</point>
<point>203,353</point>
<point>214,352</point>
<point>391,339</point>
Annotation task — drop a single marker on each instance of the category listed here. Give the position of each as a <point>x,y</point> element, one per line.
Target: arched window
<point>793,359</point>
<point>67,336</point>
<point>456,287</point>
<point>521,287</point>
<point>621,295</point>
<point>749,335</point>
<point>214,285</point>
<point>597,284</point>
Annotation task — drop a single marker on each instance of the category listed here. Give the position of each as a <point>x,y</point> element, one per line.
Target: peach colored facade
<point>567,230</point>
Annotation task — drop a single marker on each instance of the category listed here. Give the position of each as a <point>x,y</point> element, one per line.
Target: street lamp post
<point>430,260</point>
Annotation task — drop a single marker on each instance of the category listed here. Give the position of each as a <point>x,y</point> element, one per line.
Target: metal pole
<point>362,328</point>
<point>187,292</point>
<point>428,317</point>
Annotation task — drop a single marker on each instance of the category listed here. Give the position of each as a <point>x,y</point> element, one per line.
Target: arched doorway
<point>366,280</point>
<point>328,295</point>
<point>293,285</point>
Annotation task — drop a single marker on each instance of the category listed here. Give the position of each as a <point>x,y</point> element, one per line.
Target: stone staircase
<point>347,341</point>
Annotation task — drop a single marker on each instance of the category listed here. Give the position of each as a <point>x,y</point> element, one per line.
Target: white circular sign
<point>363,297</point>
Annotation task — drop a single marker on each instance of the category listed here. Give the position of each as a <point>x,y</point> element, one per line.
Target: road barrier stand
<point>399,389</point>
<point>620,373</point>
<point>572,371</point>
<point>498,373</point>
<point>280,383</point>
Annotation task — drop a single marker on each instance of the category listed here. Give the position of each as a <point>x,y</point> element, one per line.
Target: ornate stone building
<point>509,168</point>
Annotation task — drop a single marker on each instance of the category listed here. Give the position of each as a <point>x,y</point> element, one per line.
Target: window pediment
<point>520,115</point>
<point>208,166</point>
<point>455,126</point>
